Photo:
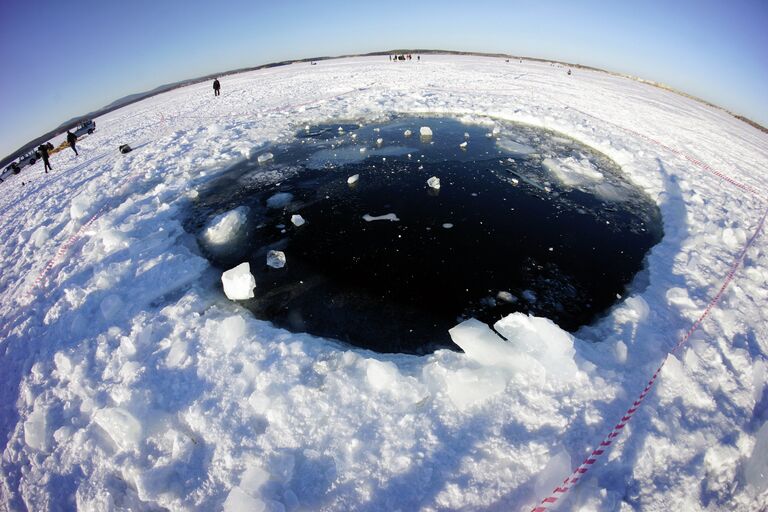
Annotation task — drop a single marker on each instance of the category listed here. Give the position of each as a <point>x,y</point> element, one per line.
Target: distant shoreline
<point>134,98</point>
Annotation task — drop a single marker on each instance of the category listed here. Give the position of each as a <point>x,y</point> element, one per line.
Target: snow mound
<point>239,282</point>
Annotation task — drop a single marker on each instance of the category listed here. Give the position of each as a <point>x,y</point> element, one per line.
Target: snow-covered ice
<point>130,381</point>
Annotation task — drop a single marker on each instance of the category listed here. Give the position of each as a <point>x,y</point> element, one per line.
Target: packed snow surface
<point>130,381</point>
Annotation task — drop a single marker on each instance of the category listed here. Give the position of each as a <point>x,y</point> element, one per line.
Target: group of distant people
<point>403,56</point>
<point>45,149</point>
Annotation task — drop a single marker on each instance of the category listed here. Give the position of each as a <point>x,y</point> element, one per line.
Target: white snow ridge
<point>133,380</point>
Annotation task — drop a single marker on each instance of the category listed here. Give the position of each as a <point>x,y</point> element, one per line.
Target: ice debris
<point>280,200</point>
<point>276,259</point>
<point>265,157</point>
<point>297,220</point>
<point>407,133</point>
<point>434,182</point>
<point>389,216</point>
<point>239,282</point>
<point>226,227</point>
<point>353,179</point>
<point>425,132</point>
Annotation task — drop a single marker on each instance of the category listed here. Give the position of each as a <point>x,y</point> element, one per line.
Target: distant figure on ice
<point>72,139</point>
<point>43,149</point>
<point>216,87</point>
<point>569,72</point>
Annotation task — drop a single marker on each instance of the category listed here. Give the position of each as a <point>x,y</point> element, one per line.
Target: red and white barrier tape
<point>585,466</point>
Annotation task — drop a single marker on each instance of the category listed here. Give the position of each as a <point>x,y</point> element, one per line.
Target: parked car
<point>28,158</point>
<point>88,126</point>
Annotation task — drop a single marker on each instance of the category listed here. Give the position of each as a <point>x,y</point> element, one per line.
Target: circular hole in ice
<point>525,220</point>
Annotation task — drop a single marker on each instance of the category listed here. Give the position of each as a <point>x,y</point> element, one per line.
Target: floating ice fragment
<point>434,182</point>
<point>379,141</point>
<point>407,133</point>
<point>276,259</point>
<point>496,130</point>
<point>279,200</point>
<point>389,216</point>
<point>341,129</point>
<point>265,157</point>
<point>463,145</point>
<point>226,227</point>
<point>124,429</point>
<point>353,179</point>
<point>425,132</point>
<point>354,136</point>
<point>239,282</point>
<point>362,150</point>
<point>298,220</point>
<point>506,297</point>
<point>466,135</point>
<point>529,296</point>
<point>447,225</point>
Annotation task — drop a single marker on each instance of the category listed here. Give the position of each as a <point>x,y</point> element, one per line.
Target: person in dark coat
<point>216,87</point>
<point>72,139</point>
<point>43,149</point>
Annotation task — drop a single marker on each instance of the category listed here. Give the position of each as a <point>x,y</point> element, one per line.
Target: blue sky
<point>63,59</point>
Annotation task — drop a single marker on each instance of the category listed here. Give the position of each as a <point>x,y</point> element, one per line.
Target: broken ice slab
<point>265,157</point>
<point>407,133</point>
<point>276,259</point>
<point>239,282</point>
<point>279,200</point>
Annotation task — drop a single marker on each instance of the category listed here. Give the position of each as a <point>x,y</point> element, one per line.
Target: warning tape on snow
<point>608,440</point>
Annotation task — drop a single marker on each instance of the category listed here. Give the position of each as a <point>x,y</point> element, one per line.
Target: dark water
<point>563,244</point>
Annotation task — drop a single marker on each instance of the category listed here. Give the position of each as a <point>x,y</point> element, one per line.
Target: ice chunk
<point>552,474</point>
<point>79,206</point>
<point>514,147</point>
<point>572,172</point>
<point>407,133</point>
<point>240,501</point>
<point>389,216</point>
<point>530,296</point>
<point>506,297</point>
<point>36,429</point>
<point>379,141</point>
<point>481,344</point>
<point>381,374</point>
<point>469,387</point>
<point>466,135</point>
<point>276,259</point>
<point>231,330</point>
<point>353,179</point>
<point>298,220</point>
<point>496,131</point>
<point>447,225</point>
<point>265,157</point>
<point>239,282</point>
<point>226,227</point>
<point>463,145</point>
<point>280,200</point>
<point>434,182</point>
<point>425,132</point>
<point>756,467</point>
<point>124,429</point>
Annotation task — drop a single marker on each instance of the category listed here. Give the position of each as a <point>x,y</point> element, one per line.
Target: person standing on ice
<point>43,149</point>
<point>216,87</point>
<point>72,139</point>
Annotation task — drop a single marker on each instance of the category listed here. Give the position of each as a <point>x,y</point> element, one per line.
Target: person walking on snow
<point>43,149</point>
<point>216,87</point>
<point>72,139</point>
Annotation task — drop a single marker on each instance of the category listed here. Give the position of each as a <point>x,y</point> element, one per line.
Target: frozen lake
<point>523,220</point>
